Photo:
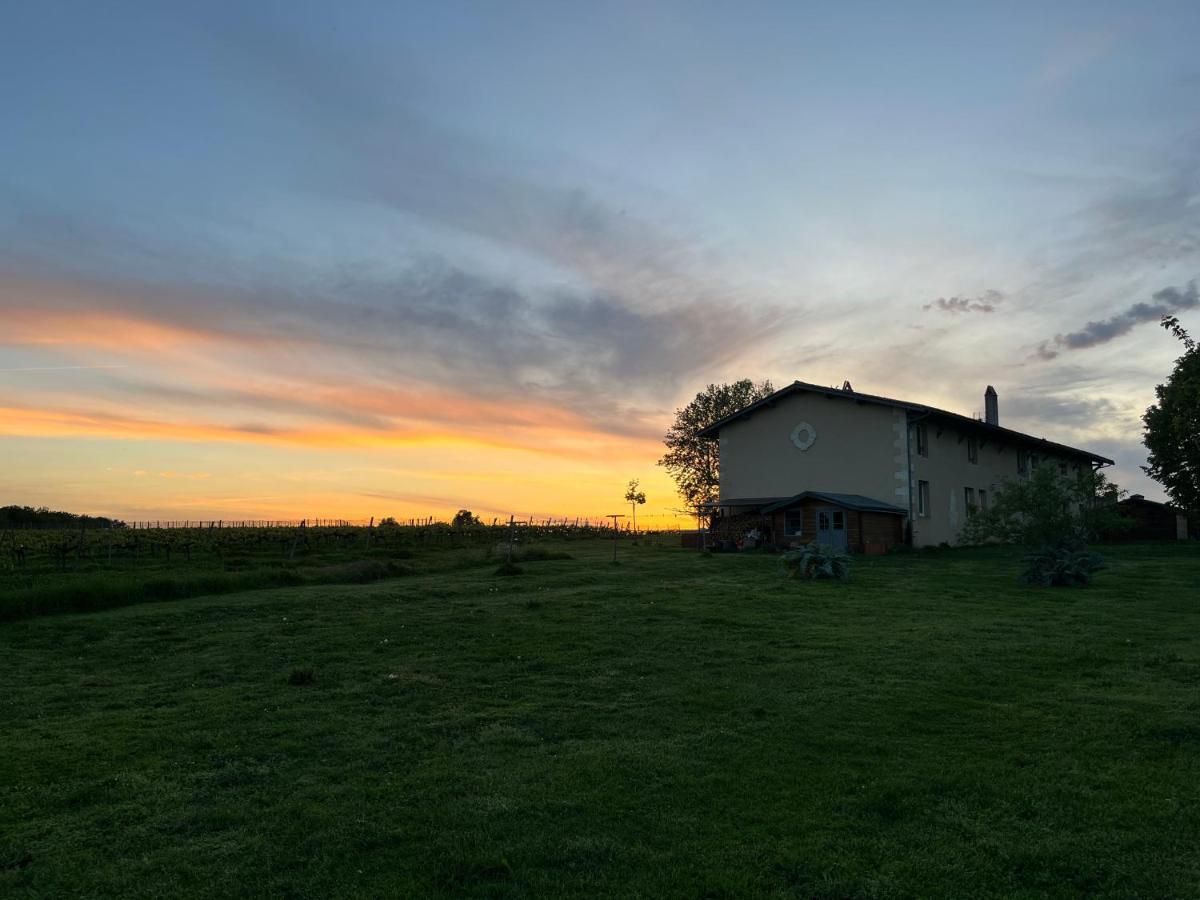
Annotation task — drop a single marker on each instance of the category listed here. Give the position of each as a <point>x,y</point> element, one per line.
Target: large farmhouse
<point>813,463</point>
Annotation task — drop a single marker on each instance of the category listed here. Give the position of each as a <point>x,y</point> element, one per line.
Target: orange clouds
<point>59,422</point>
<point>98,330</point>
<point>216,422</point>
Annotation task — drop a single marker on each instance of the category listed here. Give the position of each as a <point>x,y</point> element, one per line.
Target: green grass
<point>231,561</point>
<point>672,726</point>
<point>74,592</point>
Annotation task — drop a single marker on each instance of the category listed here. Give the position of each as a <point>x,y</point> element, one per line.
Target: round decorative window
<point>804,435</point>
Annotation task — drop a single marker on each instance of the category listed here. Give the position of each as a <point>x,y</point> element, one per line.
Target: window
<point>922,441</point>
<point>1062,468</point>
<point>982,500</point>
<point>972,451</point>
<point>1022,462</point>
<point>834,520</point>
<point>922,498</point>
<point>793,522</point>
<point>969,496</point>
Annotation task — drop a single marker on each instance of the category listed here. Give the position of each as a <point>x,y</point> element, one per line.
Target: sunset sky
<point>337,259</point>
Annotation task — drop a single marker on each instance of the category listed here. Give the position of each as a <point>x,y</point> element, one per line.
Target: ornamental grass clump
<point>1061,566</point>
<point>817,561</point>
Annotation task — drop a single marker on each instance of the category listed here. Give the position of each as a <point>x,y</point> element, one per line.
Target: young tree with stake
<point>634,498</point>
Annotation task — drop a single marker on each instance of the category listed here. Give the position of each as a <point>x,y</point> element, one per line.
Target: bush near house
<point>1048,509</point>
<point>1054,517</point>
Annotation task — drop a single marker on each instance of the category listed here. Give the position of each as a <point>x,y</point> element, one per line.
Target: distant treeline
<point>28,517</point>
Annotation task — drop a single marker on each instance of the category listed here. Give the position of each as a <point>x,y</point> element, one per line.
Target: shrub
<point>815,561</point>
<point>1048,509</point>
<point>1061,566</point>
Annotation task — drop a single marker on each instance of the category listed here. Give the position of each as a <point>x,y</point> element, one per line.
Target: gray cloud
<point>1165,302</point>
<point>984,303</point>
<point>613,313</point>
<point>1056,411</point>
<point>379,148</point>
<point>432,323</point>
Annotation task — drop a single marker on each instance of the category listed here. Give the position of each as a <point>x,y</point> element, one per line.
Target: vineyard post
<point>299,531</point>
<point>370,528</point>
<point>616,531</point>
<point>511,527</point>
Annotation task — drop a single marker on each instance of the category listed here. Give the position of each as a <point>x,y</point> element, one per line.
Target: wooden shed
<point>1152,521</point>
<point>850,521</point>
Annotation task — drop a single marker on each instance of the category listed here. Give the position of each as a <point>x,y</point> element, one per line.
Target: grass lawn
<point>672,726</point>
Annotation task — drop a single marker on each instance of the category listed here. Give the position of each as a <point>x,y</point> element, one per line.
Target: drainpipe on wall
<point>909,471</point>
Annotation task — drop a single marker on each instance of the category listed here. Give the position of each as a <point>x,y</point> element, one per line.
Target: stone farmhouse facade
<point>866,472</point>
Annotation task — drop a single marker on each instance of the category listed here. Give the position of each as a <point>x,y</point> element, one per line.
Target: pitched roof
<point>849,501</point>
<point>920,408</point>
<point>742,501</point>
<point>1140,500</point>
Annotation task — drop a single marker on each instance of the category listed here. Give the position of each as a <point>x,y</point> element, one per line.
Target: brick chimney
<point>991,406</point>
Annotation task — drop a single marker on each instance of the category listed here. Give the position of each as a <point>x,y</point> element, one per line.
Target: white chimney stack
<point>991,406</point>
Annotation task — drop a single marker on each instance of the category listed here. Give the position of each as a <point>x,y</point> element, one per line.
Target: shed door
<point>831,527</point>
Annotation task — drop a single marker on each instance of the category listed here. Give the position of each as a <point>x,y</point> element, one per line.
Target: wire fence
<point>586,522</point>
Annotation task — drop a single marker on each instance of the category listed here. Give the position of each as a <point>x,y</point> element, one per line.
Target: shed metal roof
<point>848,501</point>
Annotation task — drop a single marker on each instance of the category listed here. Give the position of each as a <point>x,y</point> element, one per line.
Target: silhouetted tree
<point>694,462</point>
<point>41,517</point>
<point>1172,434</point>
<point>464,518</point>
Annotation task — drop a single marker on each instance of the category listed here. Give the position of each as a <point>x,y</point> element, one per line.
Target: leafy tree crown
<point>1172,426</point>
<point>694,462</point>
